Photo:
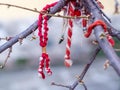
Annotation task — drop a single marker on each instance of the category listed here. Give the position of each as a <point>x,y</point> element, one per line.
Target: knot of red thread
<point>77,13</point>
<point>44,62</point>
<point>43,37</point>
<point>93,25</point>
<point>72,10</point>
<point>104,26</point>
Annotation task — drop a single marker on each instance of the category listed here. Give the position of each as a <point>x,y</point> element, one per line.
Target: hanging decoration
<point>43,36</point>
<point>72,9</point>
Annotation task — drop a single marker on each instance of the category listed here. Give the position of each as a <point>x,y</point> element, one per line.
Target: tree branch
<point>32,28</point>
<point>105,46</point>
<point>112,31</point>
<point>48,14</point>
<point>80,78</point>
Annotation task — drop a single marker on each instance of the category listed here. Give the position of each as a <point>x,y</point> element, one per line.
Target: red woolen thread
<point>96,23</point>
<point>77,13</point>
<point>41,66</point>
<point>84,24</point>
<point>93,25</point>
<point>44,59</point>
<point>110,40</point>
<point>47,69</point>
<point>68,61</point>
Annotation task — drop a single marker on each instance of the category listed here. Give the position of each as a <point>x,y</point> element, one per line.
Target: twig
<point>33,37</point>
<point>60,85</point>
<point>117,50</point>
<point>5,62</point>
<point>48,14</point>
<point>80,78</point>
<point>85,87</point>
<point>6,38</point>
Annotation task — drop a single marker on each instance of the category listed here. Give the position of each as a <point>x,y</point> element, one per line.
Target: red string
<point>43,37</point>
<point>110,40</point>
<point>104,26</point>
<point>93,25</point>
<point>72,11</point>
<point>68,61</point>
<point>84,24</point>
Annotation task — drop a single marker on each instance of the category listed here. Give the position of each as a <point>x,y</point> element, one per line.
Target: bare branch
<point>85,86</point>
<point>107,49</point>
<point>11,5</point>
<point>60,85</point>
<point>5,62</point>
<point>80,78</point>
<point>48,14</point>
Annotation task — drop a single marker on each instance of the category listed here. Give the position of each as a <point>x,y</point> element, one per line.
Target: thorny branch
<point>80,78</point>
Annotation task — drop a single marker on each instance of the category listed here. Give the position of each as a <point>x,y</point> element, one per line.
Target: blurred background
<point>20,72</point>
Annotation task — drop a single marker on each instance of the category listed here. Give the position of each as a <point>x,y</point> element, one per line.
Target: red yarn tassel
<point>43,37</point>
<point>68,61</point>
<point>71,8</point>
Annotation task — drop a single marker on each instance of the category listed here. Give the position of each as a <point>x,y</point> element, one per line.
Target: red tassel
<point>43,37</point>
